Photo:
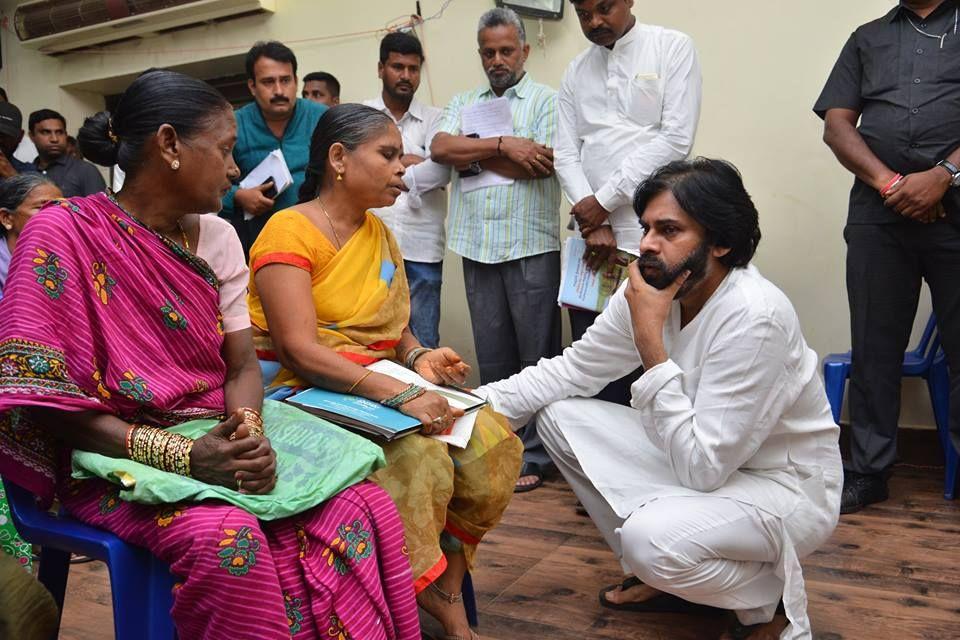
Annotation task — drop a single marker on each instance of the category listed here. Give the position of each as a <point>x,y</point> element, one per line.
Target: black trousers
<point>515,321</point>
<point>886,266</point>
<point>617,391</point>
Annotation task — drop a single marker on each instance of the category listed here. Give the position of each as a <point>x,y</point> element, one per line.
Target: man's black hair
<point>712,193</point>
<point>269,49</point>
<point>402,43</point>
<point>44,114</point>
<point>322,76</point>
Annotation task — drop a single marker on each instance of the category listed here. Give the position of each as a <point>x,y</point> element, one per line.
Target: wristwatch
<point>952,170</point>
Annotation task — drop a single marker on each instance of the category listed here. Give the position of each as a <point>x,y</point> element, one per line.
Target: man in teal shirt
<point>276,119</point>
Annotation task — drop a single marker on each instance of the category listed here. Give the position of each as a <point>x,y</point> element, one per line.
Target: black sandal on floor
<point>740,631</point>
<point>529,469</point>
<point>662,603</point>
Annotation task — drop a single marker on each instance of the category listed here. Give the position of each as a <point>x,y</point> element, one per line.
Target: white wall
<point>764,63</point>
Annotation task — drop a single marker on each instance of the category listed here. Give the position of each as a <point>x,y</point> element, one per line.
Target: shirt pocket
<point>949,67</point>
<point>645,99</point>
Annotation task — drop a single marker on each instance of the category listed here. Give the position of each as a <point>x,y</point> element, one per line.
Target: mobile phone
<point>272,191</point>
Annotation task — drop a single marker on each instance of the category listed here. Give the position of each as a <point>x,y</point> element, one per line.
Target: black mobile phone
<point>272,191</point>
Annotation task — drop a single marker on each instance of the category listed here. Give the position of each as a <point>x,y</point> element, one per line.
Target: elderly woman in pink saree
<point>125,314</point>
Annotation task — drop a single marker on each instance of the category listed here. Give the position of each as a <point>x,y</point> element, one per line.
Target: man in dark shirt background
<point>899,76</point>
<point>11,133</point>
<point>48,130</point>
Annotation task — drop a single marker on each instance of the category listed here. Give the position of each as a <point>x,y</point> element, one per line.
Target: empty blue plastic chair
<point>926,361</point>
<point>141,585</point>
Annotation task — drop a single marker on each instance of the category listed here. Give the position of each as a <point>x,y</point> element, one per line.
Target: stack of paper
<point>488,119</point>
<point>274,169</point>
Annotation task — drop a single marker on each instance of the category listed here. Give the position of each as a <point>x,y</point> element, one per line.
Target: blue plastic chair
<point>141,585</point>
<point>926,361</point>
<point>269,370</point>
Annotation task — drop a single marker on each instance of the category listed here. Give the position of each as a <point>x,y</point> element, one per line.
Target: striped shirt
<point>502,223</point>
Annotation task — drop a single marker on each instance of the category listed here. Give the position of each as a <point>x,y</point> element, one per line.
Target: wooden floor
<point>891,572</point>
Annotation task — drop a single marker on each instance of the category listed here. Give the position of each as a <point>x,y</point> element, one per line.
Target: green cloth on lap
<point>315,461</point>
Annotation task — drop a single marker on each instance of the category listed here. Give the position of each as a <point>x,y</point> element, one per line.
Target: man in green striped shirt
<point>507,234</point>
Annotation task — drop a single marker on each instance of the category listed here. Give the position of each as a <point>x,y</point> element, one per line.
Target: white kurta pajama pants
<point>715,550</point>
<point>726,469</point>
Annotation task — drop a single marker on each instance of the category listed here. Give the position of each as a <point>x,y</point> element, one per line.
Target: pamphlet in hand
<point>582,288</point>
<point>273,169</point>
<point>372,418</point>
<point>487,119</point>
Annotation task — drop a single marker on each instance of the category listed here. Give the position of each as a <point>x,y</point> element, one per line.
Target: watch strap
<point>953,170</point>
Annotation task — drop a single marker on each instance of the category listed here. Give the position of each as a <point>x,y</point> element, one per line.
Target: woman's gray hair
<point>14,190</point>
<point>502,17</point>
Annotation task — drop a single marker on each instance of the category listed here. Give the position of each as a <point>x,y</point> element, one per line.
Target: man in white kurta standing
<point>417,217</point>
<point>726,469</point>
<point>627,105</point>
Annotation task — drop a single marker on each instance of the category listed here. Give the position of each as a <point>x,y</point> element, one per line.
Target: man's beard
<point>401,97</point>
<point>504,81</point>
<point>695,263</point>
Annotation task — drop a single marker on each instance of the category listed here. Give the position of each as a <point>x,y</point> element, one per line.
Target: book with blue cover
<point>356,413</point>
<point>367,416</point>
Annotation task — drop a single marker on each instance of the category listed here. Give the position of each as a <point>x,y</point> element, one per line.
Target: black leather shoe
<point>859,490</point>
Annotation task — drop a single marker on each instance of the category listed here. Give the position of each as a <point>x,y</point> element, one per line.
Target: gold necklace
<point>330,221</point>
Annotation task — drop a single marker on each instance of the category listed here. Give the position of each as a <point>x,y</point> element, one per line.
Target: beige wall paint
<point>764,63</point>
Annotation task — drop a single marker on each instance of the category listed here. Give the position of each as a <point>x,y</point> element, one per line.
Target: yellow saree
<point>448,498</point>
<point>359,292</point>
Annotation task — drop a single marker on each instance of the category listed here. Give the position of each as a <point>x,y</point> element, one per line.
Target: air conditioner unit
<point>57,26</point>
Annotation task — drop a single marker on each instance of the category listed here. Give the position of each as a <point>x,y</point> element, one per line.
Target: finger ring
<point>239,484</point>
<point>438,420</point>
<point>539,157</point>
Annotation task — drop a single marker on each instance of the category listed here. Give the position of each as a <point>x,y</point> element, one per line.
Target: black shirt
<point>74,177</point>
<point>907,90</point>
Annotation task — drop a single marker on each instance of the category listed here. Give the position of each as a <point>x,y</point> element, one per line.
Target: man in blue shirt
<point>276,119</point>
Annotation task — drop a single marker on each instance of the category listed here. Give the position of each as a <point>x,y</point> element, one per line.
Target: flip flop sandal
<point>663,603</point>
<point>529,469</point>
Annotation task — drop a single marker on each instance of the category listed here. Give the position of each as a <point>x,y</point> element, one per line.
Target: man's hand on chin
<point>649,309</point>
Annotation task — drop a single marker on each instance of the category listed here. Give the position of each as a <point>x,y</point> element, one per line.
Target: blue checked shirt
<point>502,223</point>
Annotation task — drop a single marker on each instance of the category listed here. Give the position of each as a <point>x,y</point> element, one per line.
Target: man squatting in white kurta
<point>726,470</point>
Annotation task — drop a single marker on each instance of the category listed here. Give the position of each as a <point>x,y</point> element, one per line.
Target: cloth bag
<point>315,461</point>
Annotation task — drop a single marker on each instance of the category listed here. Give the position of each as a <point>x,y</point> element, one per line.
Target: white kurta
<point>624,112</point>
<point>738,411</point>
<point>418,216</point>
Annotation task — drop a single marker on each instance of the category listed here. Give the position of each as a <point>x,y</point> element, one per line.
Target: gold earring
<point>175,165</point>
<point>340,177</point>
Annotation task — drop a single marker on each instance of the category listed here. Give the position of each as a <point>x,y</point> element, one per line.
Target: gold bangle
<point>359,380</point>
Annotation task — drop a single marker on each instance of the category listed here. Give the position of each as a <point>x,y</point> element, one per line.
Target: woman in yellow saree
<point>328,295</point>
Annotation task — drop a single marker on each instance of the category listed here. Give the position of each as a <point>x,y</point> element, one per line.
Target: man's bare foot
<point>768,631</point>
<point>636,593</point>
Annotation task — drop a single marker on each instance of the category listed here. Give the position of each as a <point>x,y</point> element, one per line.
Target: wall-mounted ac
<point>57,26</point>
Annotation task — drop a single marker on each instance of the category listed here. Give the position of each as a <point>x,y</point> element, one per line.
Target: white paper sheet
<point>488,119</point>
<point>459,433</point>
<point>273,167</point>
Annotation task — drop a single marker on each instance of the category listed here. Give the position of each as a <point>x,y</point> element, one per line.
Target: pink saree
<point>102,314</point>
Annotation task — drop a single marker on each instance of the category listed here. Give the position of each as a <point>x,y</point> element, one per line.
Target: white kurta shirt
<point>417,217</point>
<point>738,411</point>
<point>623,113</point>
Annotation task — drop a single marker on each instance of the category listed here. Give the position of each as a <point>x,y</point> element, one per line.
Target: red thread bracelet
<point>890,185</point>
